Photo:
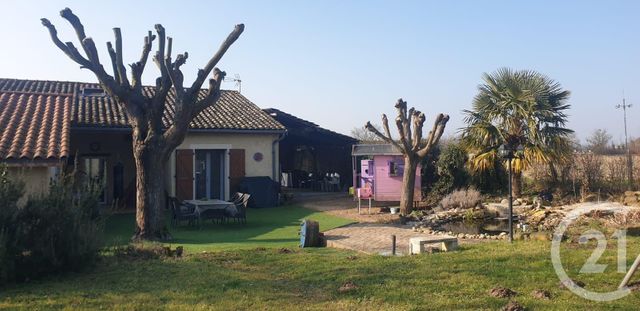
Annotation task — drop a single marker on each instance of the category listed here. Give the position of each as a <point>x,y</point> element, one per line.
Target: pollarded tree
<point>152,142</point>
<point>412,145</point>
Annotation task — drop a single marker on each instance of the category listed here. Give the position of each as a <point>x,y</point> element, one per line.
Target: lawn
<point>266,227</point>
<point>250,271</point>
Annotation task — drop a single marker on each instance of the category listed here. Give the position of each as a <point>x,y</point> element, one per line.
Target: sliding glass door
<point>210,174</point>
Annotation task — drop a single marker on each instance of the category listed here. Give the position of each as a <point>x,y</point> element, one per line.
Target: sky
<point>342,63</point>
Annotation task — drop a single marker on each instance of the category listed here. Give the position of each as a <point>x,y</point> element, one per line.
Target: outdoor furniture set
<point>218,211</point>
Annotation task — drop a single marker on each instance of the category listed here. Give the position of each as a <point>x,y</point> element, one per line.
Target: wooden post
<point>393,244</point>
<point>630,273</point>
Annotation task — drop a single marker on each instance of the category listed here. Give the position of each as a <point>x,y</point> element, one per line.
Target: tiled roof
<point>34,126</point>
<point>36,116</point>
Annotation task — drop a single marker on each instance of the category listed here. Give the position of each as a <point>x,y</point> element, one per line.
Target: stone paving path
<point>373,238</point>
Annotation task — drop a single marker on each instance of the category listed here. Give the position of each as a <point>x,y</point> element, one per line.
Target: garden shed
<point>378,170</point>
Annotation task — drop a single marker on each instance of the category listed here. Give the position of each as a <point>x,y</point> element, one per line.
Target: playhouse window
<point>396,168</point>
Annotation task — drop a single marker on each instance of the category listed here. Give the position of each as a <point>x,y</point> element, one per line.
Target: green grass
<point>266,227</point>
<point>244,277</point>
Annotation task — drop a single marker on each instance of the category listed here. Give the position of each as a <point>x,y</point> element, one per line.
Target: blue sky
<point>342,63</point>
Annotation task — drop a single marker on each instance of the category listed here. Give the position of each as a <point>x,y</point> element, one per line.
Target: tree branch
<point>401,123</point>
<point>66,48</point>
<point>203,73</point>
<point>75,22</point>
<point>90,48</point>
<point>72,52</point>
<point>435,134</point>
<point>418,119</point>
<point>385,125</point>
<point>122,71</point>
<point>137,68</point>
<point>114,65</point>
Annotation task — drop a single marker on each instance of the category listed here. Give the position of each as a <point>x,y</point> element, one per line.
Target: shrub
<point>463,199</point>
<point>10,193</point>
<point>429,170</point>
<point>54,232</point>
<point>452,173</point>
<point>589,172</point>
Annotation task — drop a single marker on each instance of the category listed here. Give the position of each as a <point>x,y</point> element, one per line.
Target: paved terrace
<point>373,238</point>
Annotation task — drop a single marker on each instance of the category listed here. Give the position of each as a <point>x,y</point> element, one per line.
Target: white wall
<point>250,142</point>
<point>36,179</point>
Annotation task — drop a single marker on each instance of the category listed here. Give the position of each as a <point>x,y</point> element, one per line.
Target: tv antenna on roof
<point>237,80</point>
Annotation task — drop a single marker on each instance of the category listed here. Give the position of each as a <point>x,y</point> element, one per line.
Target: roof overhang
<point>374,149</point>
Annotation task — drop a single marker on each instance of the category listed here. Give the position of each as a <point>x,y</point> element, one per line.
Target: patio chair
<point>236,197</point>
<point>241,206</point>
<point>181,211</point>
<point>214,215</point>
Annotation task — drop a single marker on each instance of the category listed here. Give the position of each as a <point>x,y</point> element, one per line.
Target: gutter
<point>274,170</point>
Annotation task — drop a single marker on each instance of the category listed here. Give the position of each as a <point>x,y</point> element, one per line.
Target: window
<point>396,167</point>
<point>210,174</point>
<point>95,169</point>
<point>93,92</point>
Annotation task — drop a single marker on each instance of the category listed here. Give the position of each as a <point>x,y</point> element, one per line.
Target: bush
<point>429,170</point>
<point>589,172</point>
<point>54,232</point>
<point>10,193</point>
<point>452,173</point>
<point>463,199</point>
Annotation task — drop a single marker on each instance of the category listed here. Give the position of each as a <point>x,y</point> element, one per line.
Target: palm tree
<point>514,108</point>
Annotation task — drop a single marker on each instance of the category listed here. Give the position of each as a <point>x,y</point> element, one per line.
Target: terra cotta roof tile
<point>36,116</point>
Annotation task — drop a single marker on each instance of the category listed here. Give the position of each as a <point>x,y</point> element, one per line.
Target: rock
<point>629,193</point>
<point>347,287</point>
<point>504,201</point>
<point>631,200</point>
<point>517,202</point>
<point>541,294</point>
<point>502,292</point>
<point>538,216</point>
<point>503,233</point>
<point>513,306</point>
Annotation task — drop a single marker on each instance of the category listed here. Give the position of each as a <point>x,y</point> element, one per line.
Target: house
<point>49,124</point>
<point>309,153</point>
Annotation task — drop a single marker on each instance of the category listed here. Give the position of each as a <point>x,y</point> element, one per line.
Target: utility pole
<point>624,107</point>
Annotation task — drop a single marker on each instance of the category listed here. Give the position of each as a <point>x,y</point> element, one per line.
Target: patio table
<point>203,205</point>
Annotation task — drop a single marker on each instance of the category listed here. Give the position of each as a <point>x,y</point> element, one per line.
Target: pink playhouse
<point>377,172</point>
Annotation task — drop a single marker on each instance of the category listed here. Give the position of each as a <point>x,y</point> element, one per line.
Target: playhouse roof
<point>374,149</point>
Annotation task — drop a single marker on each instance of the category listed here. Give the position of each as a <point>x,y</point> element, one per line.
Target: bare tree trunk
<point>408,185</point>
<point>150,192</point>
